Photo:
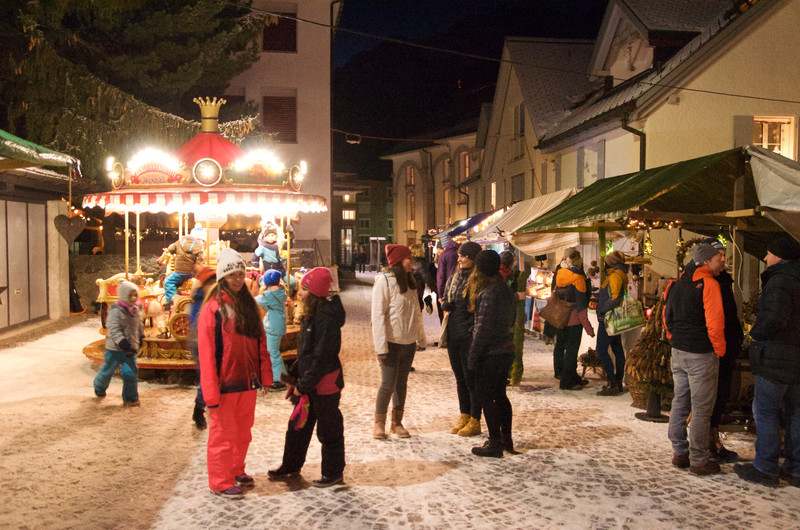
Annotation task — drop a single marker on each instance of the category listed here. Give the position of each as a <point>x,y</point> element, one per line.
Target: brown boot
<point>379,429</point>
<point>718,451</point>
<point>397,424</point>
<point>472,428</point>
<point>460,425</point>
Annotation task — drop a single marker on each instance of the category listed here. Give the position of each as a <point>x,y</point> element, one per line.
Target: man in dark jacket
<point>727,363</point>
<point>775,361</point>
<point>695,322</point>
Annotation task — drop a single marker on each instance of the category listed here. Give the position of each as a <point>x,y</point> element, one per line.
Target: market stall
<point>745,195</point>
<point>204,182</point>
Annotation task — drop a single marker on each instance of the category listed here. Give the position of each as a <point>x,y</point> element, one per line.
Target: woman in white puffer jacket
<point>397,331</point>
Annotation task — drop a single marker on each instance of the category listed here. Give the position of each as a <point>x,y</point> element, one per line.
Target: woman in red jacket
<point>234,363</point>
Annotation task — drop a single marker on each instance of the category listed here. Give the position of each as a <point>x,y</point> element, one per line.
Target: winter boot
<point>397,424</point>
<point>506,440</point>
<point>462,421</point>
<point>199,417</point>
<point>491,448</point>
<point>718,451</point>
<point>472,428</point>
<point>379,430</point>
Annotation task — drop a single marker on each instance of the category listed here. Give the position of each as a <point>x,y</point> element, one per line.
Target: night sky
<point>392,90</point>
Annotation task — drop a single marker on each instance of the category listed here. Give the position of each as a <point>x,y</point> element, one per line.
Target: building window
<point>557,170</point>
<point>518,187</point>
<point>349,215</point>
<point>412,211</point>
<point>448,208</point>
<point>775,134</point>
<point>279,114</point>
<point>543,177</point>
<point>346,254</point>
<point>464,167</point>
<point>363,240</point>
<point>410,176</point>
<point>389,208</point>
<point>494,195</point>
<point>281,36</point>
<point>519,120</point>
<point>363,224</point>
<point>518,138</point>
<point>446,170</point>
<point>390,193</point>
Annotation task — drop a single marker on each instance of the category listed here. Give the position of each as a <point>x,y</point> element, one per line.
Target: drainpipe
<point>642,142</point>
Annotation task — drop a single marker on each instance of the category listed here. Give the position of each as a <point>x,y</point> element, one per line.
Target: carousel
<point>204,182</point>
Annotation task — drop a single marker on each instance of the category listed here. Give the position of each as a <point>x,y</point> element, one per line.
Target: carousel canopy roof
<point>198,199</point>
<point>209,145</point>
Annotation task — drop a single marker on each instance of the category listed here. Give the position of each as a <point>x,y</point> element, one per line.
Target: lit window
<point>464,166</point>
<point>494,194</point>
<point>775,134</point>
<point>349,215</point>
<point>412,212</point>
<point>409,176</point>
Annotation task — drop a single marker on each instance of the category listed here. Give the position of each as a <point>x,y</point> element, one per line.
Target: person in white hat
<point>234,364</point>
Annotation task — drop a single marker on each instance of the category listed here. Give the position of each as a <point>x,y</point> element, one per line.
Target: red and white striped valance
<point>242,201</point>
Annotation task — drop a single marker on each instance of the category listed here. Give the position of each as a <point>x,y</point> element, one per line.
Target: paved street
<point>587,462</point>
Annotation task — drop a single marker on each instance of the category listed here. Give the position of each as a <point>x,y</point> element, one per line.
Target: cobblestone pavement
<point>586,461</point>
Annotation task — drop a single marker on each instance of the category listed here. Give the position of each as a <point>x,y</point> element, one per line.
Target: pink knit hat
<point>318,280</point>
<point>397,253</point>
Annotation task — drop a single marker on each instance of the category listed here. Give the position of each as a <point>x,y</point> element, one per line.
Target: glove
<point>125,345</point>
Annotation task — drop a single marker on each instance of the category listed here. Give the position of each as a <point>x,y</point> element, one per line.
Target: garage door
<point>23,263</point>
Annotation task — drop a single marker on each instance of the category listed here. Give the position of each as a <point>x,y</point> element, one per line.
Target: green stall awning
<point>698,186</point>
<point>19,153</point>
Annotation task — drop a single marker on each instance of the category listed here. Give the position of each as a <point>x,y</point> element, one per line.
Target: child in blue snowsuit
<point>124,332</point>
<point>273,300</point>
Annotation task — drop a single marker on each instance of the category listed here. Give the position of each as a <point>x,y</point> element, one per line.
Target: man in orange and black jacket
<point>695,321</point>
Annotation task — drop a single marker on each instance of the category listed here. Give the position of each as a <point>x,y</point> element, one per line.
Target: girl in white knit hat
<point>234,364</point>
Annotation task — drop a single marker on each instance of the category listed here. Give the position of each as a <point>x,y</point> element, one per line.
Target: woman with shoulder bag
<point>397,333</point>
<point>572,286</point>
<point>611,294</point>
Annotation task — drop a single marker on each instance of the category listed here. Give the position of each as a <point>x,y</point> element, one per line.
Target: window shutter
<point>280,116</point>
<point>281,37</point>
<point>558,173</point>
<point>742,130</point>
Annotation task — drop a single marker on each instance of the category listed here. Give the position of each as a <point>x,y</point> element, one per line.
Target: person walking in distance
<point>397,332</point>
<point>775,361</point>
<point>124,333</point>
<point>695,322</point>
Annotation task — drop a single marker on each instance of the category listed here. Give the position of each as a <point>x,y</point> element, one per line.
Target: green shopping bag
<point>625,317</point>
